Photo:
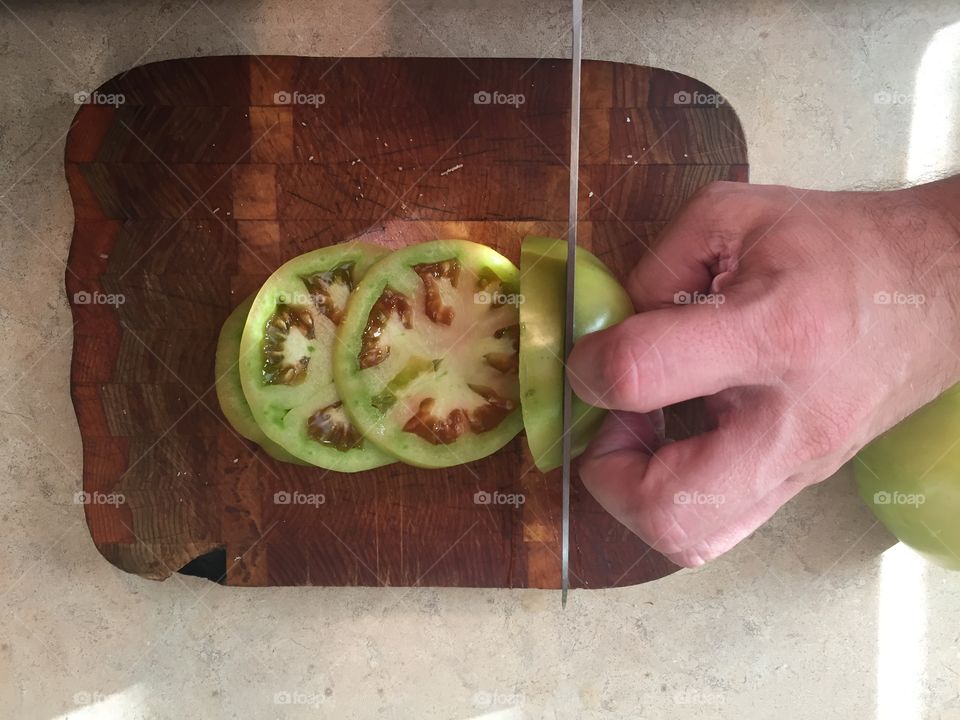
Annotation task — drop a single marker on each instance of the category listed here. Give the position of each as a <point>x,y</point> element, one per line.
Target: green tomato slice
<point>427,359</point>
<point>910,478</point>
<point>286,358</point>
<point>230,395</point>
<point>599,302</point>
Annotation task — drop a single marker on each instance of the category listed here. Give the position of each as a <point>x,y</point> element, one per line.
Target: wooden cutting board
<point>193,179</point>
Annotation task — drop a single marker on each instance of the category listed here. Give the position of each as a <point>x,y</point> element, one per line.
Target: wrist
<point>934,262</point>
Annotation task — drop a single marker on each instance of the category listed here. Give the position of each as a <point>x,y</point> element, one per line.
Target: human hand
<point>810,321</point>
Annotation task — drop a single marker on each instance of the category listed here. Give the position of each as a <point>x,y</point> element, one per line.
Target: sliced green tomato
<point>286,358</point>
<point>427,359</point>
<point>599,302</point>
<point>230,391</point>
<point>910,477</point>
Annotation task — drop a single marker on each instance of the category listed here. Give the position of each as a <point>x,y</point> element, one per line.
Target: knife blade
<point>577,28</point>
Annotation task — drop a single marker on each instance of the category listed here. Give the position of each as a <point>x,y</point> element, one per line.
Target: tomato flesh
<point>286,358</point>
<point>229,389</point>
<point>423,363</point>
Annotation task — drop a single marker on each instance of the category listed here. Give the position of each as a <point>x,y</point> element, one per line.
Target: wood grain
<point>207,177</point>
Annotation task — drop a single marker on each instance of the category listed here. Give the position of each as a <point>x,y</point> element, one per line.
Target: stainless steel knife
<point>571,279</point>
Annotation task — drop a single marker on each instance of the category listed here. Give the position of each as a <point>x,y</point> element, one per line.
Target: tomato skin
<point>229,390</point>
<point>599,302</point>
<point>393,276</point>
<point>278,408</point>
<point>910,478</point>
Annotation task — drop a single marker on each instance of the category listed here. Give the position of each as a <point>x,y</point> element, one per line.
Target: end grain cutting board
<point>193,179</point>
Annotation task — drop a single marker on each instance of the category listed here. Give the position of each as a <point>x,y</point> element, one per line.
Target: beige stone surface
<point>809,618</point>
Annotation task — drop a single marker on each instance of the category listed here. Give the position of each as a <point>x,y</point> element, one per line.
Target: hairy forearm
<point>942,197</point>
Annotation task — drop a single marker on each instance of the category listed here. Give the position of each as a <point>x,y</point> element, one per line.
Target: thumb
<point>663,357</point>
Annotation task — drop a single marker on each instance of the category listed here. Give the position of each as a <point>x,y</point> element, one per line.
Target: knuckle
<point>717,201</point>
<point>717,189</point>
<point>591,467</point>
<point>827,434</point>
<point>816,441</point>
<point>715,211</point>
<point>663,531</point>
<point>662,520</point>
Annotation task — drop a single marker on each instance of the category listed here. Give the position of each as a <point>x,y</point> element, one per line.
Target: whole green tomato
<point>910,477</point>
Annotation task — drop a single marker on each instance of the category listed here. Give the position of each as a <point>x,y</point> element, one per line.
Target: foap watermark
<point>495,97</point>
<point>498,298</point>
<point>891,97</point>
<point>296,697</point>
<point>482,497</point>
<point>698,498</point>
<point>883,297</point>
<point>296,298</point>
<point>88,697</point>
<point>283,497</point>
<point>698,298</point>
<point>295,97</point>
<point>882,497</point>
<point>685,97</point>
<point>484,699</point>
<point>98,98</point>
<point>98,298</point>
<point>82,497</point>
